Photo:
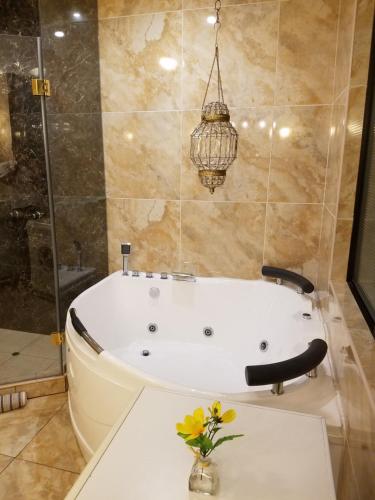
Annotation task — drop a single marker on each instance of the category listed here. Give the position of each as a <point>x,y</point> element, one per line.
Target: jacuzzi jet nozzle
<point>145,352</point>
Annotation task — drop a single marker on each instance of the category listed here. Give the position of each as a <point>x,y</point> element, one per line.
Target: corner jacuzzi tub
<point>186,336</point>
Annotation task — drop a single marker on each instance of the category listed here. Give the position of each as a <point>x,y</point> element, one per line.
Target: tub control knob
<point>135,274</point>
<point>149,275</point>
<point>164,276</point>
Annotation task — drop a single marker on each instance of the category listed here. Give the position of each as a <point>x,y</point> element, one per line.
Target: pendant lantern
<point>213,146</point>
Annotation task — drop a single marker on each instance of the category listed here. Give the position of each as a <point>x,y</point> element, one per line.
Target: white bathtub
<point>118,311</point>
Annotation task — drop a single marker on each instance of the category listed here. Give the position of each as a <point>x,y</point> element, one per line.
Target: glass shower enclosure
<point>361,272</point>
<point>52,192</point>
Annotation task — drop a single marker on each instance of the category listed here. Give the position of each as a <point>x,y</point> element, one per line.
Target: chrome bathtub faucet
<point>126,249</point>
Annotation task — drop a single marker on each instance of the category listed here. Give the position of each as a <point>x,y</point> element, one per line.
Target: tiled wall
<point>278,68</point>
<point>354,41</point>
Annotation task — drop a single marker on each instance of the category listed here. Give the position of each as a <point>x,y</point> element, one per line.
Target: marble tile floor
<point>27,356</point>
<point>39,455</point>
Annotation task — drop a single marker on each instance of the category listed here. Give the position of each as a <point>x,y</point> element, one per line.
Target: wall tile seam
<point>181,150</point>
<point>17,36</point>
<point>191,9</point>
<point>175,200</point>
<point>330,140</point>
<point>231,108</point>
<point>73,113</point>
<point>358,86</point>
<point>344,90</point>
<point>326,206</point>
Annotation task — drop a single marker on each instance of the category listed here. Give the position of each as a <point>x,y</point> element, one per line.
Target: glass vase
<point>203,477</point>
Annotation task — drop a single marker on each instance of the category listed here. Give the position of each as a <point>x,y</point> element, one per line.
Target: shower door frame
<point>43,108</point>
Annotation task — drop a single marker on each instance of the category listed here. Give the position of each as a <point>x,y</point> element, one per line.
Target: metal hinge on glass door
<point>41,87</point>
<point>57,338</point>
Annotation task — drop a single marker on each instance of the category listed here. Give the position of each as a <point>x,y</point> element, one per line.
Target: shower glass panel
<point>361,274</point>
<point>69,35</point>
<point>27,286</point>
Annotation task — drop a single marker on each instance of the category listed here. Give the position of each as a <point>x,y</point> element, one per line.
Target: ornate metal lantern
<point>213,146</point>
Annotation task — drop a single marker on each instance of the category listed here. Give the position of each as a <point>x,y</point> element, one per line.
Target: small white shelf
<point>284,455</point>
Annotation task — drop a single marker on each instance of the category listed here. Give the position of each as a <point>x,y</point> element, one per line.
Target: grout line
<point>186,110</point>
<point>40,430</point>
<point>329,211</point>
<point>272,136</point>
<point>5,468</point>
<point>48,466</point>
<point>182,10</point>
<point>218,201</point>
<point>179,262</point>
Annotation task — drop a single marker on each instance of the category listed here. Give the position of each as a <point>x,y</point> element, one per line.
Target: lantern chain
<point>216,59</point>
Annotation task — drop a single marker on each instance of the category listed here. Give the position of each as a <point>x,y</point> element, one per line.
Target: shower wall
<point>278,66</point>
<point>354,43</point>
<point>69,32</point>
<point>23,183</point>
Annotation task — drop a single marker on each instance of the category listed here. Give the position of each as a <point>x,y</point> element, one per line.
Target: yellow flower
<point>226,417</point>
<point>193,425</point>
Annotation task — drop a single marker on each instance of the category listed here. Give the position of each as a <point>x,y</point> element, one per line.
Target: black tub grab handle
<point>82,332</point>
<point>276,373</point>
<point>283,274</point>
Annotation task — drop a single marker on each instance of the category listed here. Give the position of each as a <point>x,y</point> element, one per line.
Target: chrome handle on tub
<point>82,332</point>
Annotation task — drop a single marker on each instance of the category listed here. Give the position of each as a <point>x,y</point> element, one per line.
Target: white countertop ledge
<point>284,455</point>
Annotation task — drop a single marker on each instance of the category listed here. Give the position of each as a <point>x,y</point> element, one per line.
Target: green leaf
<point>206,444</point>
<point>194,442</point>
<point>226,438</point>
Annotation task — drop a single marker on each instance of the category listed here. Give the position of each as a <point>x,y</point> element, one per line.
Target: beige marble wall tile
<point>344,44</point>
<point>142,154</point>
<point>17,428</point>
<point>362,42</point>
<point>247,52</point>
<point>247,178</point>
<point>223,238</point>
<point>352,151</point>
<point>325,250</point>
<point>117,8</point>
<point>341,249</point>
<point>4,462</point>
<point>152,226</point>
<point>134,54</point>
<point>307,47</point>
<point>55,445</point>
<point>292,237</point>
<point>335,156</point>
<point>299,154</point>
<point>27,481</point>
